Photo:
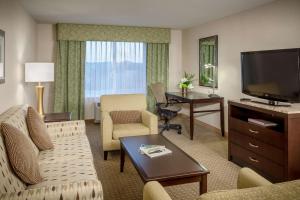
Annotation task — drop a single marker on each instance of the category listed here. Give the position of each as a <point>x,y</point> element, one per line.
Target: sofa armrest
<point>91,189</point>
<point>66,128</point>
<point>106,130</point>
<point>154,191</point>
<point>248,178</point>
<point>286,190</point>
<point>151,121</point>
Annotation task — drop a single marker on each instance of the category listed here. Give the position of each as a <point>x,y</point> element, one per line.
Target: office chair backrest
<point>158,91</point>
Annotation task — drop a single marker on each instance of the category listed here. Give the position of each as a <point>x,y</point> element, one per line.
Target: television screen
<point>272,75</point>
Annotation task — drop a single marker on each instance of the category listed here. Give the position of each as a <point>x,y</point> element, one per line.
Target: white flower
<point>190,86</point>
<point>183,80</point>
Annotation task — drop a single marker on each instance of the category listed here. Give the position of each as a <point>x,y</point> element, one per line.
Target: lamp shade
<point>39,72</point>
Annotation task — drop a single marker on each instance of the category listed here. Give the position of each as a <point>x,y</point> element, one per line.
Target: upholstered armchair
<point>125,108</point>
<point>250,185</point>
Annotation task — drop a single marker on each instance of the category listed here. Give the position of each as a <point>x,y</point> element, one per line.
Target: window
<point>114,68</point>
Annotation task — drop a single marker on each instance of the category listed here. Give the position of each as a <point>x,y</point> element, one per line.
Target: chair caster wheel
<point>179,132</point>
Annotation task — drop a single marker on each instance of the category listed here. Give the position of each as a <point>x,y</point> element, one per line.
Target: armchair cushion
<point>154,191</point>
<point>248,178</point>
<point>126,117</point>
<point>125,130</point>
<point>286,190</point>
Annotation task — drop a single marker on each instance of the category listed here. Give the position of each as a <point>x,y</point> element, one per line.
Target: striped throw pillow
<point>126,117</point>
<point>38,130</point>
<point>21,155</point>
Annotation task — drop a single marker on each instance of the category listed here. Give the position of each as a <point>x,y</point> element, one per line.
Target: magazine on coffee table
<point>154,150</point>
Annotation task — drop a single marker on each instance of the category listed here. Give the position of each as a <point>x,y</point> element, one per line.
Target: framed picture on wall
<point>208,61</point>
<point>2,56</point>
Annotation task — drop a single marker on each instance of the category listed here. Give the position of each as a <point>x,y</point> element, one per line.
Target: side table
<point>57,117</point>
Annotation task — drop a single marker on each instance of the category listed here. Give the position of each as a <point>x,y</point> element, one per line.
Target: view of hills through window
<point>115,68</point>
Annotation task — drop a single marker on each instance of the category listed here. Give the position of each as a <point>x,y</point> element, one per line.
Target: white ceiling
<point>157,13</point>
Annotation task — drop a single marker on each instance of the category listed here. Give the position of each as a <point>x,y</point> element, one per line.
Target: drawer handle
<point>253,145</point>
<point>253,131</point>
<point>253,160</point>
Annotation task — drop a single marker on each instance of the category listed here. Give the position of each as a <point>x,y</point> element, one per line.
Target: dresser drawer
<point>258,132</point>
<point>252,159</point>
<point>268,151</point>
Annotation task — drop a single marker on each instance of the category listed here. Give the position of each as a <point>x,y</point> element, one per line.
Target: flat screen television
<point>272,75</point>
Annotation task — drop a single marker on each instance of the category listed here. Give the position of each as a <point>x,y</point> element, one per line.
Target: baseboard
<point>205,125</point>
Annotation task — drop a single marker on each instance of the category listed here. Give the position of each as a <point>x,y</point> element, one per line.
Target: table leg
<point>191,120</point>
<point>122,160</point>
<point>203,184</point>
<point>222,117</point>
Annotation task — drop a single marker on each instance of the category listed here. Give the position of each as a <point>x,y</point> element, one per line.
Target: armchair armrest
<point>151,121</point>
<point>154,191</point>
<point>66,128</point>
<point>106,129</point>
<point>248,178</point>
<point>89,189</point>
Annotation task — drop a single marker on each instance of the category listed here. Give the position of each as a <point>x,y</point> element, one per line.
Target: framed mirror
<point>2,56</point>
<point>208,61</point>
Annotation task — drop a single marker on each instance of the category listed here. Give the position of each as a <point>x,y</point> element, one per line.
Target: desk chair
<point>165,108</point>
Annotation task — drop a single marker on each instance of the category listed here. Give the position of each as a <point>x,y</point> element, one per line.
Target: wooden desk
<point>198,98</point>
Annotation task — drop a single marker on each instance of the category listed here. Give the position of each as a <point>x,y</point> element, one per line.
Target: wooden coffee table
<point>172,169</point>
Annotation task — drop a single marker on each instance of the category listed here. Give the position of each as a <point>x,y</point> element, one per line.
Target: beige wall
<point>175,59</point>
<point>46,37</point>
<point>273,26</point>
<point>20,39</point>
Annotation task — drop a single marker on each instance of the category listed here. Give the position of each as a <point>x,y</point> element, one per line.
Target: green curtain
<point>69,78</point>
<point>157,68</point>
<point>88,32</point>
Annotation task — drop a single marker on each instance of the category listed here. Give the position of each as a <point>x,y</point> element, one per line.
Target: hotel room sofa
<point>250,186</point>
<point>68,170</point>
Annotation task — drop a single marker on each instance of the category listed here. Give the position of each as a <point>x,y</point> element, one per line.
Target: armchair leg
<point>105,155</point>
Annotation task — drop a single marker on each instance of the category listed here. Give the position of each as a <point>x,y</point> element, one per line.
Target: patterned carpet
<point>208,148</point>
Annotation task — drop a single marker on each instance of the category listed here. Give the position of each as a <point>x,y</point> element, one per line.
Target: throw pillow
<point>126,117</point>
<point>38,130</point>
<point>21,155</point>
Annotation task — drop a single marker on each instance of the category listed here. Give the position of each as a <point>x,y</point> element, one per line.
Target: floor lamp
<point>38,73</point>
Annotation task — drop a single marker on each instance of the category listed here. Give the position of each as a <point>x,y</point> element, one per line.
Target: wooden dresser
<point>273,152</point>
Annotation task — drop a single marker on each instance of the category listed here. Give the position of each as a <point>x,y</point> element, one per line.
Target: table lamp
<point>208,66</point>
<point>38,73</point>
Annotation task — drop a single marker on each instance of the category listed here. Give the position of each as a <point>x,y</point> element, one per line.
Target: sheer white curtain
<point>113,68</point>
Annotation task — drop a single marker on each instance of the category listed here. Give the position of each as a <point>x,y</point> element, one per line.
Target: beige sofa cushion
<point>16,116</point>
<point>21,155</point>
<point>38,130</point>
<point>64,172</point>
<point>126,117</point>
<point>75,147</point>
<point>134,129</point>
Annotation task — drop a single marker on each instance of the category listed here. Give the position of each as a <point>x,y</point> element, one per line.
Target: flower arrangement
<point>187,81</point>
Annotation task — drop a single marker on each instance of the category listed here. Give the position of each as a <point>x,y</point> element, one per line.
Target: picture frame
<point>2,56</point>
<point>208,54</point>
